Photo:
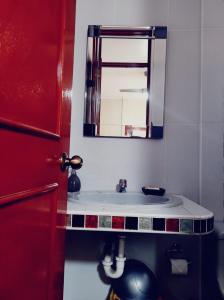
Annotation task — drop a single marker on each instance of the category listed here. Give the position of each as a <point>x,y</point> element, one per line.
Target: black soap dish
<point>156,191</point>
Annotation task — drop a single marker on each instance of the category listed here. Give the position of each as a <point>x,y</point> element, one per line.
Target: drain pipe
<point>120,261</point>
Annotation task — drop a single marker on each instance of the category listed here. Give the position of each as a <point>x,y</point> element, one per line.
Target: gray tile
<point>212,76</point>
<point>212,171</point>
<point>213,12</point>
<point>185,14</point>
<point>141,12</point>
<point>182,160</point>
<point>105,221</point>
<point>182,90</point>
<point>186,225</point>
<point>145,223</point>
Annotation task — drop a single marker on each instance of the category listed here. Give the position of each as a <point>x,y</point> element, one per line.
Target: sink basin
<point>136,212</point>
<point>125,199</point>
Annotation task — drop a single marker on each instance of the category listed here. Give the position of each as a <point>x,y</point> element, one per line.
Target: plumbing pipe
<point>120,261</point>
<point>121,246</point>
<point>107,263</point>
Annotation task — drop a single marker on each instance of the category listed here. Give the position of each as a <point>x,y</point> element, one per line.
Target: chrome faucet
<point>121,186</point>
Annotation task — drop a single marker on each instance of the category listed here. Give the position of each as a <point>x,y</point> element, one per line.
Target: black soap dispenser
<point>74,183</point>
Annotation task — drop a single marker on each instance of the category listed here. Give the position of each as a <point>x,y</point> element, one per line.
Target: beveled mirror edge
<point>89,130</point>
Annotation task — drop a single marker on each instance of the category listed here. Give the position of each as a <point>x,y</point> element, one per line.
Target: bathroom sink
<point>125,199</point>
<point>131,211</point>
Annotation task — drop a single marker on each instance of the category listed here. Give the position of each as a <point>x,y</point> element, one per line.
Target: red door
<point>36,61</point>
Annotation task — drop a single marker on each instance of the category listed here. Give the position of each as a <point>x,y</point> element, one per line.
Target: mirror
<point>125,81</point>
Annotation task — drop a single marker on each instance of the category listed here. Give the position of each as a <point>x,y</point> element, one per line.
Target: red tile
<point>91,221</point>
<point>172,225</point>
<point>118,222</point>
<point>68,220</point>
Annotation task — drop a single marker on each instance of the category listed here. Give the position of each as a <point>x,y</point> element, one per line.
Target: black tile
<point>159,224</point>
<point>210,224</point>
<point>77,220</point>
<point>203,226</point>
<point>197,226</point>
<point>131,223</point>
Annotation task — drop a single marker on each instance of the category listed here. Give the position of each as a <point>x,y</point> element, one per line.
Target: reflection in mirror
<point>125,79</point>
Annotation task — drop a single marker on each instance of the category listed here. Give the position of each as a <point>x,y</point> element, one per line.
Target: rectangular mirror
<point>125,82</point>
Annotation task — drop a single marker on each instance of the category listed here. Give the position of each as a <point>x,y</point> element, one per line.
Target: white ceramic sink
<point>131,211</point>
<point>125,199</point>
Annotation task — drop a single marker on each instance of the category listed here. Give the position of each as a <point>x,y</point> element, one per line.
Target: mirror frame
<point>93,85</point>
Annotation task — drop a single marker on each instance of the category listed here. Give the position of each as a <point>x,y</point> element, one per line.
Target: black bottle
<point>74,183</point>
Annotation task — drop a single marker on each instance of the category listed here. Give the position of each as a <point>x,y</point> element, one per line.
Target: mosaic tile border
<point>139,224</point>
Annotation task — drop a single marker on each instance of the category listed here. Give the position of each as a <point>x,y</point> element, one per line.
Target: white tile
<point>78,268</point>
<point>212,199</point>
<point>185,14</point>
<point>140,161</point>
<point>213,76</point>
<point>106,160</point>
<point>142,12</point>
<point>213,12</point>
<point>125,12</point>
<point>182,101</point>
<point>212,192</point>
<point>182,160</point>
<point>97,12</point>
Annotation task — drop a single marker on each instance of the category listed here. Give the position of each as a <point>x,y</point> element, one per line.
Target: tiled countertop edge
<point>167,225</point>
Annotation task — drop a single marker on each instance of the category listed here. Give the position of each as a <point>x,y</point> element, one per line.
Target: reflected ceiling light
<point>142,91</point>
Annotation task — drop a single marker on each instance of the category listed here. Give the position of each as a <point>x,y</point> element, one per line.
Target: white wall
<point>212,117</point>
<point>172,162</point>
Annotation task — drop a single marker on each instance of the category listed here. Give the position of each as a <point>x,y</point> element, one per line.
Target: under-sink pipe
<point>120,261</point>
<point>121,246</point>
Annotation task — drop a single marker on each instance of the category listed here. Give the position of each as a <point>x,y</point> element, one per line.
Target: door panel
<point>36,54</point>
<point>27,164</point>
<point>29,82</point>
<point>27,227</point>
